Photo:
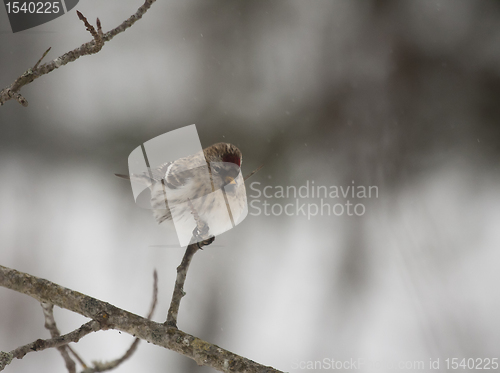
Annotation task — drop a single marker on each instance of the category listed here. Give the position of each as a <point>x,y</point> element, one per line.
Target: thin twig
<point>200,238</point>
<point>91,47</point>
<point>98,42</point>
<point>41,58</point>
<point>102,367</point>
<point>178,293</point>
<point>43,344</point>
<point>76,356</point>
<point>154,302</point>
<point>253,172</point>
<point>130,21</point>
<point>50,325</point>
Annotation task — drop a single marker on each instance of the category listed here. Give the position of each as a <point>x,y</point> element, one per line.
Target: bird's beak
<point>230,180</point>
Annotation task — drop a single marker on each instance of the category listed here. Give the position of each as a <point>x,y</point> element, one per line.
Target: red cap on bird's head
<point>223,152</point>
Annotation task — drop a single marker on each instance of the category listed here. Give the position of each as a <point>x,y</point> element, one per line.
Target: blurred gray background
<point>402,95</point>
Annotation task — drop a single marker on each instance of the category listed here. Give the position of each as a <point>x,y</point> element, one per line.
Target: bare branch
<point>102,367</point>
<point>43,344</point>
<point>111,317</point>
<point>154,302</point>
<point>76,356</point>
<point>130,21</point>
<point>182,269</point>
<point>200,232</point>
<point>253,172</point>
<point>50,325</point>
<point>91,47</point>
<point>98,42</point>
<point>41,58</point>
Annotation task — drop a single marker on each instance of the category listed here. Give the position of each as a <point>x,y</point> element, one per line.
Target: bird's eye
<point>216,169</point>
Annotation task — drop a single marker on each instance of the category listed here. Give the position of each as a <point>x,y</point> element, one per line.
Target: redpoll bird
<point>207,185</point>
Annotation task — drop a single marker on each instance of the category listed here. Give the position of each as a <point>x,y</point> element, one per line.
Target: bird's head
<point>224,160</point>
<point>223,152</point>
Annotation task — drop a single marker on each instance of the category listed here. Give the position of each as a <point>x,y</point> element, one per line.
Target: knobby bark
<point>110,317</point>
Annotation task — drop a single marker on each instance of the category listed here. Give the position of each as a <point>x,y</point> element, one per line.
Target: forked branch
<point>91,47</point>
<point>108,316</point>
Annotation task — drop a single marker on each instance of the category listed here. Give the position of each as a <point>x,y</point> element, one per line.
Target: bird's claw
<point>206,242</point>
<point>201,234</point>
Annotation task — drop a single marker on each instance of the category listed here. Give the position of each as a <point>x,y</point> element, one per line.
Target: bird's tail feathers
<point>126,177</point>
<point>140,178</point>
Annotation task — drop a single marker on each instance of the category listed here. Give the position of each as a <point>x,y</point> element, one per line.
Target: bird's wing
<point>172,175</point>
<point>177,176</point>
<point>150,177</point>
